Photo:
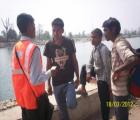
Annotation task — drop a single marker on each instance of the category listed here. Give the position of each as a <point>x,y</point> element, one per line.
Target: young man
<point>123,59</point>
<point>60,51</point>
<point>27,75</point>
<point>101,60</point>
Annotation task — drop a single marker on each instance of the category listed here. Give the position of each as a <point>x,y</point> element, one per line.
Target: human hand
<point>54,70</point>
<point>76,83</point>
<point>93,80</point>
<point>115,76</point>
<point>88,77</point>
<point>49,89</point>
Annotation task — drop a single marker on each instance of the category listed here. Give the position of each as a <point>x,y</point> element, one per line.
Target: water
<point>83,55</point>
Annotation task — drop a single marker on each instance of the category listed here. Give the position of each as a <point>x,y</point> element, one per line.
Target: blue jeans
<point>65,96</point>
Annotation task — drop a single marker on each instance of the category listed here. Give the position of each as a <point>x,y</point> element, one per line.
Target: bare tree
<point>7,26</point>
<point>12,35</point>
<point>39,31</point>
<point>70,35</point>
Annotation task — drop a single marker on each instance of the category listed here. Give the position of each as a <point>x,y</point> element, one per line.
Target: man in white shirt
<point>101,61</point>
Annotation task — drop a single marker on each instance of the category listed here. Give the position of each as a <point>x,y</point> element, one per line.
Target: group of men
<point>29,79</point>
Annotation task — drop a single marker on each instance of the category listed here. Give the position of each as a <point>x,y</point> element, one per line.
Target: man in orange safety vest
<point>27,75</point>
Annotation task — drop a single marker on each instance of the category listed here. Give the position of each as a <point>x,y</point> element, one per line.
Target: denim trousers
<point>65,96</point>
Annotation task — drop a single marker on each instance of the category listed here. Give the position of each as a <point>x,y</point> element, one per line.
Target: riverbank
<point>6,44</point>
<point>41,42</point>
<point>4,105</point>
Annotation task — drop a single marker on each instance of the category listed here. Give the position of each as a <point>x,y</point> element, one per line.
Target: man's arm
<point>127,56</point>
<point>128,64</point>
<point>36,74</point>
<point>90,65</point>
<point>76,69</point>
<point>106,58</point>
<point>48,66</point>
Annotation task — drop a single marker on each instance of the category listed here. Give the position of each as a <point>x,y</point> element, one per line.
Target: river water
<point>83,54</point>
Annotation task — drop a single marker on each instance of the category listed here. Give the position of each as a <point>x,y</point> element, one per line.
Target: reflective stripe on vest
<point>27,53</point>
<point>27,59</point>
<point>17,71</point>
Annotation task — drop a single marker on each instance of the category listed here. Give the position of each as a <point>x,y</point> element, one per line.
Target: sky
<point>78,15</point>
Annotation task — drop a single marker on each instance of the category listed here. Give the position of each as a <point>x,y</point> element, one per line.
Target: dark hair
<point>23,21</point>
<point>112,22</point>
<point>98,32</point>
<point>58,22</point>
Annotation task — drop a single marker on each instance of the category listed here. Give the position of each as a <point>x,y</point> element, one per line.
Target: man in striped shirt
<point>123,59</point>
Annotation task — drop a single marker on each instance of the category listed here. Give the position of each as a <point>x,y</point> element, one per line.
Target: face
<point>96,39</point>
<point>31,30</point>
<point>57,32</point>
<point>107,33</point>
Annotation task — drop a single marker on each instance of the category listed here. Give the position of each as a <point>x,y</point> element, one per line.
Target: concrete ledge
<point>86,107</point>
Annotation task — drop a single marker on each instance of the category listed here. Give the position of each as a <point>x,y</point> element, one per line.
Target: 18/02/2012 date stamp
<point>120,104</point>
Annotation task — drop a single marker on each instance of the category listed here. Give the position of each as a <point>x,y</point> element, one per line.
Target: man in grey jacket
<point>101,61</point>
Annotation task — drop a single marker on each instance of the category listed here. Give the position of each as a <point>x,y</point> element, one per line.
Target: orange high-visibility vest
<point>22,86</point>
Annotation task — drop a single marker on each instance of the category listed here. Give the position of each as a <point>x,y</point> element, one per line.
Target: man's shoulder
<point>120,39</point>
<point>123,42</point>
<point>49,43</point>
<point>104,47</point>
<point>27,43</point>
<point>66,39</point>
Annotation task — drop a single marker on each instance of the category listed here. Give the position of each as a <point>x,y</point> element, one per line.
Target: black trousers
<point>30,114</point>
<point>103,91</point>
<point>104,96</point>
<point>121,112</point>
<point>43,112</point>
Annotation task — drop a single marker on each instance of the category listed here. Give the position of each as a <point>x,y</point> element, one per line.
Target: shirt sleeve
<point>124,50</point>
<point>91,60</point>
<point>47,50</point>
<point>72,46</point>
<point>36,74</point>
<point>106,58</point>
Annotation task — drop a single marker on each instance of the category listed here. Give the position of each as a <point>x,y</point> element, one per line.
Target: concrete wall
<point>87,106</point>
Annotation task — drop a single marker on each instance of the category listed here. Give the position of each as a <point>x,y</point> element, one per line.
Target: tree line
<point>8,33</point>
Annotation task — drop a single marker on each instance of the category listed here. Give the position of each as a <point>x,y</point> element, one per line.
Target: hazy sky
<point>78,15</point>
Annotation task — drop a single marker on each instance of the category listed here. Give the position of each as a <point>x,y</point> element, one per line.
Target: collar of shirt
<point>98,46</point>
<point>23,37</point>
<point>118,38</point>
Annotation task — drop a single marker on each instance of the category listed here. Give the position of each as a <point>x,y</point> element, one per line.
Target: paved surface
<point>14,113</point>
<point>134,113</point>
